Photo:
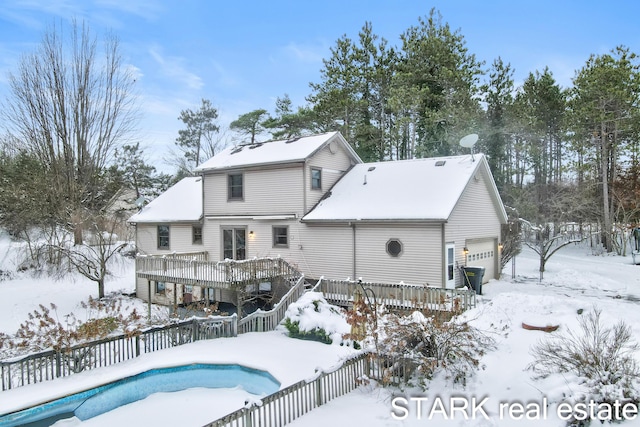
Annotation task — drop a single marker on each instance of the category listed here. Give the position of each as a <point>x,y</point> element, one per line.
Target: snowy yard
<point>575,281</point>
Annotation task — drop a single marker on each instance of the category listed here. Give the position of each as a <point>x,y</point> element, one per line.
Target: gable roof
<point>274,152</point>
<point>180,203</point>
<point>405,190</point>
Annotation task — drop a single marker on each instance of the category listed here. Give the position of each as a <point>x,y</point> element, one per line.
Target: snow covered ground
<point>575,281</point>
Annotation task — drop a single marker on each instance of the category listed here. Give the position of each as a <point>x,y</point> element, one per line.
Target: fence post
<point>58,364</point>
<point>248,421</point>
<point>137,337</point>
<point>194,330</point>
<point>319,389</point>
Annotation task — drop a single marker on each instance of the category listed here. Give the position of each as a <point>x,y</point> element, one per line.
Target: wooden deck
<point>226,274</point>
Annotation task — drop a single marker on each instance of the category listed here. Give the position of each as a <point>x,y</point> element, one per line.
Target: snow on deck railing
<point>221,274</point>
<point>399,295</point>
<point>262,321</point>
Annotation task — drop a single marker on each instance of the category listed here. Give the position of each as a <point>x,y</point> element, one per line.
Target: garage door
<point>482,253</point>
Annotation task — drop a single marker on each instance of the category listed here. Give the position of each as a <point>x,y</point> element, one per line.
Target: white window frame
<point>318,179</point>
<point>286,235</point>
<point>168,245</point>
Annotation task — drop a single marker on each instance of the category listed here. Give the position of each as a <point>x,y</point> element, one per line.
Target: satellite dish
<point>140,202</point>
<point>469,141</point>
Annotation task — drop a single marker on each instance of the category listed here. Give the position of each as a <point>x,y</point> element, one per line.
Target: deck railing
<point>262,321</point>
<point>399,295</point>
<point>221,274</point>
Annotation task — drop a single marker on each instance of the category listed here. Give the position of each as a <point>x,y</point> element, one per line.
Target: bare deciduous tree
<point>93,260</point>
<point>71,107</point>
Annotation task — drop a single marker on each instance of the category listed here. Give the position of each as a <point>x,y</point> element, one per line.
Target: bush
<point>313,318</point>
<point>431,346</point>
<point>43,330</point>
<point>603,356</point>
<point>317,334</point>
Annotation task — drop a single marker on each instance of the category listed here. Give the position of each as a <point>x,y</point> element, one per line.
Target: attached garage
<point>483,253</point>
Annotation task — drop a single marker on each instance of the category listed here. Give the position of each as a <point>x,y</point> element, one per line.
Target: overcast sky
<point>242,55</point>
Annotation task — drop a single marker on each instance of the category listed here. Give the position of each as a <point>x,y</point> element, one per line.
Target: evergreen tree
<point>135,172</point>
<point>197,141</point>
<point>352,96</point>
<point>441,77</point>
<point>289,124</point>
<point>604,112</point>
<point>250,124</point>
<point>499,100</point>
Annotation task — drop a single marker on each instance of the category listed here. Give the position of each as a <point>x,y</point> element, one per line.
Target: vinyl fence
<point>286,405</point>
<point>52,364</point>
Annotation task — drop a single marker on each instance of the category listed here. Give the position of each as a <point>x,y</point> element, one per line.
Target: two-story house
<point>314,203</point>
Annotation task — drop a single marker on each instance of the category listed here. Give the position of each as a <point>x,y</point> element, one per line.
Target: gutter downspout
<point>353,227</point>
<point>443,254</point>
<point>304,187</point>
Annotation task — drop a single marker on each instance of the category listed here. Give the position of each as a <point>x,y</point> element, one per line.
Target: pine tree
<point>604,110</point>
<point>250,124</point>
<point>197,141</point>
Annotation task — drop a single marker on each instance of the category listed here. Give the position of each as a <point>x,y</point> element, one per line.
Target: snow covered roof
<point>180,203</point>
<point>274,152</point>
<point>421,189</point>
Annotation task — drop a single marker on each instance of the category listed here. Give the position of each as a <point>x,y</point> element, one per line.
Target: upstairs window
<point>197,234</point>
<point>163,237</point>
<point>280,236</point>
<point>235,187</point>
<point>316,179</point>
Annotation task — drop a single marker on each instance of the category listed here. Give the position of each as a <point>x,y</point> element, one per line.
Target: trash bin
<point>473,277</point>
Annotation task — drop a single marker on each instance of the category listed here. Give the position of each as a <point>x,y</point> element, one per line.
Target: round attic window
<point>394,247</point>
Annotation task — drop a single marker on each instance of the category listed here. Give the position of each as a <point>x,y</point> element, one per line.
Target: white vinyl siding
<point>180,239</point>
<point>265,192</point>
<point>259,243</point>
<point>326,251</point>
<point>420,261</point>
<point>474,217</point>
<point>332,165</point>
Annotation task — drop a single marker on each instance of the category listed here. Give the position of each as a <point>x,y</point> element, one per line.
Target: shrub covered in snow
<point>431,346</point>
<point>312,317</point>
<point>602,356</point>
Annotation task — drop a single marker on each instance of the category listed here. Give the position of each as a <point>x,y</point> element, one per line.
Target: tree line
<point>557,154</point>
<point>69,141</point>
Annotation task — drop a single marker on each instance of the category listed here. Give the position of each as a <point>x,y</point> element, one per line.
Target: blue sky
<point>242,55</point>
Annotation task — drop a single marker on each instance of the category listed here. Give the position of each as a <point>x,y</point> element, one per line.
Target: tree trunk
<point>604,159</point>
<point>100,288</point>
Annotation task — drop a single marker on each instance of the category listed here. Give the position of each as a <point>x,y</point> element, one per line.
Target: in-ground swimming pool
<point>96,401</point>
